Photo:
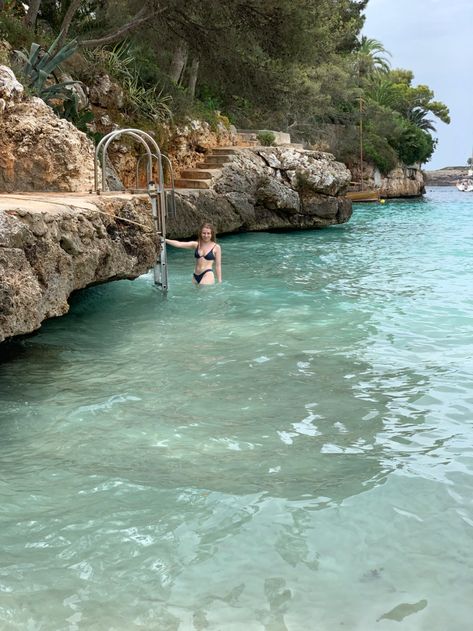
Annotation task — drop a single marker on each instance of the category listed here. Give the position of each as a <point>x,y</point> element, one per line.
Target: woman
<point>206,251</point>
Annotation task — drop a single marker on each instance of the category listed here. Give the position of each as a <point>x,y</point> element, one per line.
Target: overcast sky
<point>434,39</point>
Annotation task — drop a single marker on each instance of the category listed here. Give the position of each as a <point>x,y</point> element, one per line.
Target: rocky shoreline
<point>54,244</point>
<point>448,176</point>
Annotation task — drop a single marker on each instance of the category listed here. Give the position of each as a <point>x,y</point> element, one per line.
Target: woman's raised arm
<point>182,244</point>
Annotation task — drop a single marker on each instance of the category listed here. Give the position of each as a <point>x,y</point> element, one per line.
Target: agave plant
<point>38,67</point>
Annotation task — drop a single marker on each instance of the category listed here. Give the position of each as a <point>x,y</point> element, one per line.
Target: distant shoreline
<point>447,176</point>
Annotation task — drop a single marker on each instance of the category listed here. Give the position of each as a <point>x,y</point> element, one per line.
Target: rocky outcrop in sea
<point>268,189</point>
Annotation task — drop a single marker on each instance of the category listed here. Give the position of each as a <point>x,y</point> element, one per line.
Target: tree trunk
<point>178,62</point>
<point>32,13</point>
<point>194,71</point>
<point>66,23</point>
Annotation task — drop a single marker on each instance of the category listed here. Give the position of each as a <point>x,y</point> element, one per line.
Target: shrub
<point>266,138</point>
<point>378,151</point>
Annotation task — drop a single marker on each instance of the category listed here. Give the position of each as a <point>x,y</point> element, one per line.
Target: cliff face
<point>38,150</point>
<point>400,182</point>
<point>51,246</point>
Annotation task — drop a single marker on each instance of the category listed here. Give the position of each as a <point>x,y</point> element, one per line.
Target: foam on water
<point>289,450</point>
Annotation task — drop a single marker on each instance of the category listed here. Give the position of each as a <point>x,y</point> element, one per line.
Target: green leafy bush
<point>14,31</point>
<point>414,144</point>
<point>378,151</point>
<point>266,138</point>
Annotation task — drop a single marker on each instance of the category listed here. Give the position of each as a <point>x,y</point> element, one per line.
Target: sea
<point>290,450</point>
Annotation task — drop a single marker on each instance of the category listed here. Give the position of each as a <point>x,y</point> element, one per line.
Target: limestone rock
<point>105,93</point>
<point>276,196</point>
<point>188,143</point>
<point>11,90</point>
<point>268,189</point>
<point>263,189</point>
<point>403,181</point>
<point>47,252</point>
<point>41,152</point>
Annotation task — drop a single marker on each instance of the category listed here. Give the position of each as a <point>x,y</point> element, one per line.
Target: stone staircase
<point>201,176</point>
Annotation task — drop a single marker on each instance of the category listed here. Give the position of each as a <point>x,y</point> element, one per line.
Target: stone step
<point>218,159</point>
<point>197,174</point>
<point>228,151</point>
<point>188,183</point>
<point>209,165</point>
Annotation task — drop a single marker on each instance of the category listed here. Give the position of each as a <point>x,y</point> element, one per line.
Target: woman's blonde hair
<point>212,231</point>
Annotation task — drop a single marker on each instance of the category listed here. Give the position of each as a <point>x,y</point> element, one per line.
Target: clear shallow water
<point>291,450</point>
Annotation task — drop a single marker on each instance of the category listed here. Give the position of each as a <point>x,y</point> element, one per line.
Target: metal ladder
<point>163,201</point>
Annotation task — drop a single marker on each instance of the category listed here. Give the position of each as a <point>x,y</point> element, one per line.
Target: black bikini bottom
<point>199,277</point>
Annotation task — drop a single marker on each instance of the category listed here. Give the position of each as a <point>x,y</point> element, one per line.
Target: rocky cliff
<point>38,150</point>
<point>51,246</point>
<point>268,189</point>
<point>401,182</point>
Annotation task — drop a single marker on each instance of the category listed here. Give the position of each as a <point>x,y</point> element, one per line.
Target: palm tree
<point>370,57</point>
<point>418,116</point>
<point>381,90</point>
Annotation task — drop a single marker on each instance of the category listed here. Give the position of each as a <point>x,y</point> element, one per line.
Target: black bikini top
<point>210,256</point>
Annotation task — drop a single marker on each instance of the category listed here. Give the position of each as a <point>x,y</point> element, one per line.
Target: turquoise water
<point>291,450</point>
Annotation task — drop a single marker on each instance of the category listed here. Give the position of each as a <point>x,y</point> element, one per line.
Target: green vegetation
<point>266,138</point>
<point>301,67</point>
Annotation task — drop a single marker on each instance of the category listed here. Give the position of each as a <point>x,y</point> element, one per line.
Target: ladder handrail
<point>144,138</point>
<point>156,193</point>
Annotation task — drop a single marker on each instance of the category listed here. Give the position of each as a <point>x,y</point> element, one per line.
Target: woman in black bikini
<point>206,251</point>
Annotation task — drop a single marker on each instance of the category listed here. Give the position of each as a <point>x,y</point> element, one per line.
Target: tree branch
<point>143,15</point>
